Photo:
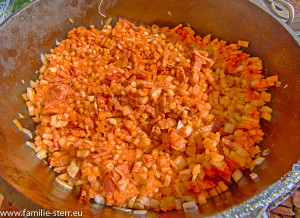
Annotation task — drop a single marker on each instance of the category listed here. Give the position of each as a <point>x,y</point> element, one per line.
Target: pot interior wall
<point>34,29</point>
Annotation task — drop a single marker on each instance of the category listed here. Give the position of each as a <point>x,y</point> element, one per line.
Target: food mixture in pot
<point>148,117</point>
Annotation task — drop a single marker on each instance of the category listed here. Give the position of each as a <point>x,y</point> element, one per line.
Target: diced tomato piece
<point>216,174</point>
<point>108,185</point>
<point>202,185</point>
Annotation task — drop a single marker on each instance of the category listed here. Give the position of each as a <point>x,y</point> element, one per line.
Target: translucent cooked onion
<point>99,199</point>
<point>178,204</point>
<point>237,175</point>
<point>63,184</point>
<point>180,162</point>
<point>30,144</point>
<point>140,212</point>
<point>256,162</point>
<point>144,200</point>
<point>189,206</point>
<point>253,176</point>
<point>154,203</point>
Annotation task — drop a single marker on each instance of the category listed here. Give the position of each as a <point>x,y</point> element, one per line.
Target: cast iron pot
<point>28,182</point>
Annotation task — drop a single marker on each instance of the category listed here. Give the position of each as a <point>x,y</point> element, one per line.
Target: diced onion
<point>237,175</point>
<point>138,206</point>
<point>59,169</point>
<point>108,21</point>
<point>41,154</point>
<point>140,212</point>
<point>186,131</point>
<point>266,116</point>
<point>218,164</point>
<point>167,180</point>
<point>216,157</point>
<point>180,162</point>
<point>99,199</point>
<point>243,43</point>
<point>178,204</point>
<point>131,202</point>
<point>189,206</point>
<point>205,193</point>
<point>124,205</point>
<point>213,192</point>
<point>266,152</point>
<point>44,59</point>
<point>91,98</point>
<point>266,109</point>
<point>222,185</point>
<point>195,172</point>
<point>219,190</point>
<point>63,176</point>
<point>237,158</point>
<point>144,200</point>
<point>201,199</point>
<point>185,172</point>
<point>154,203</point>
<point>229,128</point>
<point>82,153</point>
<point>21,115</point>
<point>63,184</point>
<point>253,176</point>
<point>257,162</point>
<point>179,125</point>
<point>73,169</point>
<point>30,144</point>
<point>27,132</point>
